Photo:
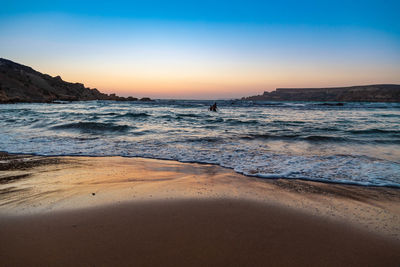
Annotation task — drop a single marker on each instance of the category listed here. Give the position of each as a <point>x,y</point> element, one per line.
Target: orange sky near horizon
<point>219,83</point>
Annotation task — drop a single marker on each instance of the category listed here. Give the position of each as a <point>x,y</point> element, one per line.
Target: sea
<point>352,143</point>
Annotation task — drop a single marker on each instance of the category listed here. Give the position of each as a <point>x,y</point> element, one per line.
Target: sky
<point>205,49</point>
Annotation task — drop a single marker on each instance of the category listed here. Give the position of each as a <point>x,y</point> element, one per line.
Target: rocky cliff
<point>19,83</point>
<point>362,93</point>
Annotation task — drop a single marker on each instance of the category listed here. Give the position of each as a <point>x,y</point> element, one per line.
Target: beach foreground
<point>189,233</point>
<point>133,211</point>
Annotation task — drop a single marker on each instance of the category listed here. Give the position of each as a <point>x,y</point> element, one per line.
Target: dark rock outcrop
<point>19,83</point>
<point>362,93</point>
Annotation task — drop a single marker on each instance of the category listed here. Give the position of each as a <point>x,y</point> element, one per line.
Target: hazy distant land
<point>360,93</point>
<point>19,83</point>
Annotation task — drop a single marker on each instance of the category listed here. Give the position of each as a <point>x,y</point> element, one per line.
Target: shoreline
<point>272,177</point>
<point>31,184</point>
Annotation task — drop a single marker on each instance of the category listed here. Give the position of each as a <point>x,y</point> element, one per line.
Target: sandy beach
<point>107,211</point>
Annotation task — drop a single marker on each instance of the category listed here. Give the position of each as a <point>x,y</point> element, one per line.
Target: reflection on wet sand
<point>66,183</point>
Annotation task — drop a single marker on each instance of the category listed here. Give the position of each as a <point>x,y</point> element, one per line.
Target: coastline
<point>78,203</point>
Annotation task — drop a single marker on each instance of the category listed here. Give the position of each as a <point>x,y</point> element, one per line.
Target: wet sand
<point>132,211</point>
<point>189,233</point>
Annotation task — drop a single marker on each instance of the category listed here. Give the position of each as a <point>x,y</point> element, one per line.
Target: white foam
<point>193,141</point>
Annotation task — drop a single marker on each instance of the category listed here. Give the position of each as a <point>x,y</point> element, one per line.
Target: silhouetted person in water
<point>213,107</point>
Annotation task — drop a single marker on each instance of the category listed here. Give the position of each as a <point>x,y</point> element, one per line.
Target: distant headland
<point>360,93</point>
<point>19,83</point>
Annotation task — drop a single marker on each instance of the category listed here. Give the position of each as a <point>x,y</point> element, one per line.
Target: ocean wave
<point>133,115</point>
<point>320,138</point>
<point>273,104</point>
<point>386,141</point>
<point>388,115</point>
<point>374,131</point>
<point>205,139</point>
<point>288,123</point>
<point>215,120</point>
<point>141,132</point>
<point>240,122</point>
<point>286,140</point>
<point>327,129</point>
<point>325,138</point>
<point>268,136</point>
<point>331,104</point>
<point>188,115</point>
<point>89,127</point>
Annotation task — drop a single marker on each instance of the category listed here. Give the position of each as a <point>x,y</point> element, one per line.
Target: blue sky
<point>380,15</point>
<point>205,49</point>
